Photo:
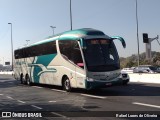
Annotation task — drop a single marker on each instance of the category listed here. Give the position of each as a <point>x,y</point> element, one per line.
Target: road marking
<point>52,101</point>
<point>58,90</point>
<point>37,87</point>
<point>59,114</point>
<point>93,96</point>
<point>10,97</point>
<point>148,105</point>
<point>1,94</point>
<point>21,101</point>
<point>36,107</point>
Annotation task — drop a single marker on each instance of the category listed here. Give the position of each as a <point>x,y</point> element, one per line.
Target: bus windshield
<point>101,55</point>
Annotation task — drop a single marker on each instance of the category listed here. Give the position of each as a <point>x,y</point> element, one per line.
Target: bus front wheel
<point>66,84</point>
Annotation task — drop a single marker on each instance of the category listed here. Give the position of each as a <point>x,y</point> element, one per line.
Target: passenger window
<point>70,51</point>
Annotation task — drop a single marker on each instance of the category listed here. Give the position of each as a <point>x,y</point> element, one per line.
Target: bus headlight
<point>90,79</point>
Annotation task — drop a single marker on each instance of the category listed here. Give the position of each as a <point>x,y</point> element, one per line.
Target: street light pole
<point>53,29</point>
<point>11,44</point>
<point>137,32</point>
<point>71,14</point>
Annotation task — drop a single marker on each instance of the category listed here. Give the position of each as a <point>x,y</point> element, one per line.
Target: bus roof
<point>72,34</point>
<point>85,31</point>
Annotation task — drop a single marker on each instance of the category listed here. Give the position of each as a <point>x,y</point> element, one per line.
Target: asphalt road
<point>51,102</point>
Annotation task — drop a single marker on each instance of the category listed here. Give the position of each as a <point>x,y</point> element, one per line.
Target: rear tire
<point>21,79</point>
<point>28,81</point>
<point>66,84</point>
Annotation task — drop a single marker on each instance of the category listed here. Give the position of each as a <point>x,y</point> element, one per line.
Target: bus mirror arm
<point>121,39</point>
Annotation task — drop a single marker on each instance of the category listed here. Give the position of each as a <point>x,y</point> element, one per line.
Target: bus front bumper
<point>103,84</point>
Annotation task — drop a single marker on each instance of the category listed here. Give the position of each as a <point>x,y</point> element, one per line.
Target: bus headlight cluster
<point>90,79</point>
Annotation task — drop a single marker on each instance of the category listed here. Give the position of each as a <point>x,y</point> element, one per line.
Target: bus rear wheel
<point>21,79</point>
<point>28,81</point>
<point>66,84</point>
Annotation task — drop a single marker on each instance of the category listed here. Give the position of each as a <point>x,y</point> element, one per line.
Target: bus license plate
<point>108,84</point>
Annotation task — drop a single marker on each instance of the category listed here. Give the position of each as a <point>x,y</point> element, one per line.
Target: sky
<point>31,20</point>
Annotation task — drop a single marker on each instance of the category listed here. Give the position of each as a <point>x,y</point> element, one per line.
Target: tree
<point>131,61</point>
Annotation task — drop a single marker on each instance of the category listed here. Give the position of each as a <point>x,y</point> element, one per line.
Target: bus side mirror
<point>121,39</point>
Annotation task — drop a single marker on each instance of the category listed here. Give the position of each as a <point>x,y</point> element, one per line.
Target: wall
<point>144,77</point>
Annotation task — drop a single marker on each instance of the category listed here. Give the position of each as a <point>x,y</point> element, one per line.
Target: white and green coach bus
<point>83,58</point>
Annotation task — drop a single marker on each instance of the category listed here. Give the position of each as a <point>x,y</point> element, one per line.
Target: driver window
<point>70,50</point>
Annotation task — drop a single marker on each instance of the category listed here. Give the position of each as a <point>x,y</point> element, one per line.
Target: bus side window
<point>70,49</point>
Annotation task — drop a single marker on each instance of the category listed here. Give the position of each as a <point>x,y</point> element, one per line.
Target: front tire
<point>66,84</point>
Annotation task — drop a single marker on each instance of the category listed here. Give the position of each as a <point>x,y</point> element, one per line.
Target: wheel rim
<point>67,84</point>
<point>28,80</point>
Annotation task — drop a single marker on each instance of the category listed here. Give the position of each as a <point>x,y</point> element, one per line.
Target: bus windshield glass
<point>101,55</point>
